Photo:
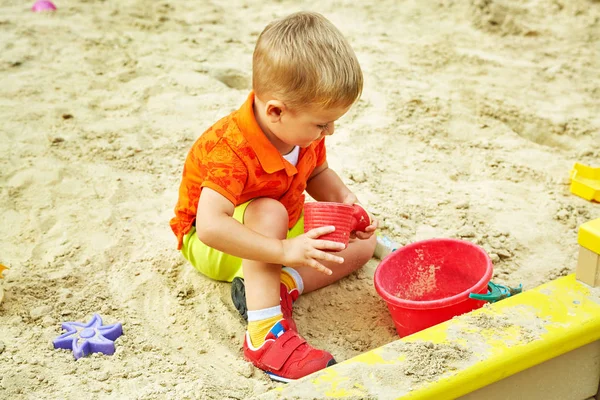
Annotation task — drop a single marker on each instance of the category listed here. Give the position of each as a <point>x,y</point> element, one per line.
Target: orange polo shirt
<point>235,158</point>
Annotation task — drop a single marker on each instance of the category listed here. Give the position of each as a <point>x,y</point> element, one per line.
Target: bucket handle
<point>496,292</point>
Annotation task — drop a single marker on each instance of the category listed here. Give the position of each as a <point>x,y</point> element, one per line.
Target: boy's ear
<point>274,110</point>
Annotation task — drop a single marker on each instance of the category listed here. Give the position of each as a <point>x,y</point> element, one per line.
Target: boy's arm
<point>325,185</point>
<point>216,228</point>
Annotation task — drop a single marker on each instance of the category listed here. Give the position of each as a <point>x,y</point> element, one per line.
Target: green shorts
<point>214,263</point>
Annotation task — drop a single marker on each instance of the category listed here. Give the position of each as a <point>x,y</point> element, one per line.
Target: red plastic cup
<point>342,216</point>
<point>361,218</point>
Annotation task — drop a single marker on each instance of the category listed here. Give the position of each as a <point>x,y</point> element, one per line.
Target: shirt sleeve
<point>223,171</point>
<point>320,152</point>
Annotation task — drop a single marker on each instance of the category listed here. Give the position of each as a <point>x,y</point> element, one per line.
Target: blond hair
<point>304,60</point>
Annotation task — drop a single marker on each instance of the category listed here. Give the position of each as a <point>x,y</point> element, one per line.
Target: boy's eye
<point>322,127</point>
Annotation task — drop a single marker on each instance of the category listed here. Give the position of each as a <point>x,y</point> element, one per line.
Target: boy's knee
<point>267,216</point>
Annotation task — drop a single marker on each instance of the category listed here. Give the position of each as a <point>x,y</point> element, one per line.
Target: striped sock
<point>292,279</point>
<point>260,323</point>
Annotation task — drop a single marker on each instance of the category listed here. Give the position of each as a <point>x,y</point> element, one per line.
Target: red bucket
<point>429,282</point>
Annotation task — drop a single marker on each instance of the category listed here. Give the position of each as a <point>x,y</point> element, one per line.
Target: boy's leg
<point>269,218</point>
<point>211,262</point>
<point>291,283</point>
<point>270,343</point>
<point>357,254</point>
<point>290,289</point>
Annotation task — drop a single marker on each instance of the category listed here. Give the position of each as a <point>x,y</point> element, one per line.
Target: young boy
<point>241,198</point>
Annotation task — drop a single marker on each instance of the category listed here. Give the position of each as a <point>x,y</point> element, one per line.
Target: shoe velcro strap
<point>281,350</point>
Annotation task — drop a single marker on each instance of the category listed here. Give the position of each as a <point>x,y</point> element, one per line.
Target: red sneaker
<point>287,304</point>
<point>285,356</point>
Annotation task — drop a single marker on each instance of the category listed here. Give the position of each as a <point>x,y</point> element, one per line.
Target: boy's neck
<point>281,147</point>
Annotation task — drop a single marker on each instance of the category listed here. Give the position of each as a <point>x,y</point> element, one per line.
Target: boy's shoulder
<point>225,131</point>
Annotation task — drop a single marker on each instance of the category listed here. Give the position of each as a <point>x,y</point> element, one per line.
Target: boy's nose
<point>330,129</point>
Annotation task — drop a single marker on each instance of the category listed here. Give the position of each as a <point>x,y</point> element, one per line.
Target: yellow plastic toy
<point>585,182</point>
<point>588,264</point>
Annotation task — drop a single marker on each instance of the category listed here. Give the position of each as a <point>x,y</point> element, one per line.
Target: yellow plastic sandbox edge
<point>567,311</point>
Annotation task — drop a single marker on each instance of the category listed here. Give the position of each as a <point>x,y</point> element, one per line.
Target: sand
<point>428,361</point>
<point>472,115</point>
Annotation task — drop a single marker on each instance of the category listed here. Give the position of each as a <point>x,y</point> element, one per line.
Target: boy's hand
<point>308,250</point>
<point>351,199</point>
<point>369,230</point>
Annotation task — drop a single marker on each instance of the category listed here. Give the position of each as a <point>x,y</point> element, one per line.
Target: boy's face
<point>302,127</point>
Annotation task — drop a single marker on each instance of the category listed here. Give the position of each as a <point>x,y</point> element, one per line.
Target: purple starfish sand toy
<point>88,338</point>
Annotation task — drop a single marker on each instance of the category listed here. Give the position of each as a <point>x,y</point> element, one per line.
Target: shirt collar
<point>268,156</point>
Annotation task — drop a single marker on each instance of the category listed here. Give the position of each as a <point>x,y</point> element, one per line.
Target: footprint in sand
<point>231,77</point>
